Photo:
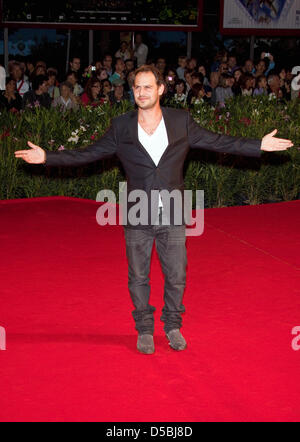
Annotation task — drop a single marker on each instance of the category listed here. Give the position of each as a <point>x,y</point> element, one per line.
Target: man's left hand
<point>269,143</point>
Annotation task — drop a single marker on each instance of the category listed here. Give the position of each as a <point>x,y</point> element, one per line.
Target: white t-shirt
<point>155,144</point>
<point>141,53</point>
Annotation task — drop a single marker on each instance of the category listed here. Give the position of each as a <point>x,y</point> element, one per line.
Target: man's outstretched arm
<point>205,139</point>
<point>104,147</point>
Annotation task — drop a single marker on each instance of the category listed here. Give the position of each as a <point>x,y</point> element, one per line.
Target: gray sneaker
<point>145,344</point>
<point>177,341</point>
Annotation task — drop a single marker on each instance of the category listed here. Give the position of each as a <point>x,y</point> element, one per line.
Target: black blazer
<point>121,139</point>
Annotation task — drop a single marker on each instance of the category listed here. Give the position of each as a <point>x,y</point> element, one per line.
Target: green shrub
<point>226,179</point>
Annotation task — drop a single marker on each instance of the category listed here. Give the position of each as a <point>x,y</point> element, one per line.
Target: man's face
<point>182,62</point>
<point>120,66</point>
<point>161,64</point>
<point>249,66</point>
<point>44,87</point>
<point>192,63</point>
<point>75,64</point>
<point>231,62</point>
<point>138,39</point>
<point>17,72</point>
<point>107,61</point>
<point>146,92</point>
<point>223,68</point>
<point>129,65</point>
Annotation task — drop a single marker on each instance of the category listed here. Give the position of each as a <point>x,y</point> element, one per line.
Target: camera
<point>93,68</point>
<point>267,54</point>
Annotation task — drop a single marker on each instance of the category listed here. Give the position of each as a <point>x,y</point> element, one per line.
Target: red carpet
<point>71,344</point>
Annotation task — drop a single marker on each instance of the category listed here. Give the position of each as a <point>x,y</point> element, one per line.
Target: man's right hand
<point>35,155</point>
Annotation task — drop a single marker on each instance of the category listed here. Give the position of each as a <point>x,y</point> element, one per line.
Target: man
<point>38,96</point>
<point>140,50</point>
<point>274,86</point>
<point>75,65</point>
<point>152,144</point>
<point>107,64</point>
<point>17,74</point>
<point>161,65</point>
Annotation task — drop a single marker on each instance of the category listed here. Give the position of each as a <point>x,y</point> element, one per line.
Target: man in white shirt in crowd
<point>17,73</point>
<point>140,50</point>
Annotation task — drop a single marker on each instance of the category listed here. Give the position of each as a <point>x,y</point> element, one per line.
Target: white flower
<point>74,139</point>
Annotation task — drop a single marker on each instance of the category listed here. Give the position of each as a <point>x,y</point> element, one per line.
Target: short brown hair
<point>148,68</point>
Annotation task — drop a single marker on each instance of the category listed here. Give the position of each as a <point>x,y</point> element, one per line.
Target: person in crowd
<point>261,67</point>
<point>285,84</point>
<point>106,88</point>
<point>123,52</point>
<point>129,85</point>
<point>220,57</point>
<point>223,68</point>
<point>274,86</point>
<point>223,91</point>
<point>38,96</point>
<point>170,80</point>
<point>75,64</point>
<point>161,65</point>
<point>118,93</point>
<point>247,84</point>
<point>66,99</point>
<point>129,65</point>
<point>202,70</point>
<point>140,50</point>
<point>53,89</point>
<point>10,99</point>
<point>180,95</point>
<point>214,79</point>
<point>232,63</point>
<point>188,79</point>
<point>236,87</point>
<point>197,95</point>
<point>101,74</point>
<point>92,93</point>
<point>248,67</point>
<point>182,65</point>
<point>107,64</point>
<point>18,74</point>
<point>39,70</point>
<point>270,63</point>
<point>192,63</point>
<point>261,86</point>
<point>119,71</point>
<point>72,77</point>
<point>29,68</point>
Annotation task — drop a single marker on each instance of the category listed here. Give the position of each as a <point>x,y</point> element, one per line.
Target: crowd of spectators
<point>110,80</point>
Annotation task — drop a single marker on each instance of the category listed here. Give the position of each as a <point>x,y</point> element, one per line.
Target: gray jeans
<point>171,249</point>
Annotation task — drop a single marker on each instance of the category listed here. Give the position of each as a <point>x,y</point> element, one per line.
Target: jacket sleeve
<point>106,146</point>
<point>200,138</point>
